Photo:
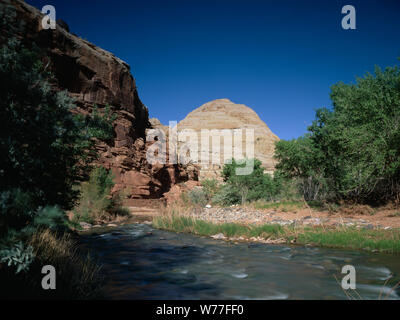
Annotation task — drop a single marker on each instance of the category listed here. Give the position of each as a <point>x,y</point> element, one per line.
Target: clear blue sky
<point>278,57</point>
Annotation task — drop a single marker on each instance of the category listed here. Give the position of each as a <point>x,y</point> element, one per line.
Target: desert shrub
<point>210,188</point>
<point>184,199</point>
<point>198,197</point>
<point>96,203</point>
<point>267,188</point>
<point>100,125</point>
<point>246,183</point>
<point>250,187</point>
<point>286,189</point>
<point>226,195</point>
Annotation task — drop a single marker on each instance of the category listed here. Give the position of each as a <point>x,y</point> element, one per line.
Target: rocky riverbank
<point>354,237</point>
<point>302,217</point>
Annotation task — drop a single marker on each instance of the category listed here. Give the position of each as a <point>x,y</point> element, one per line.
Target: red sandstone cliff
<point>94,76</point>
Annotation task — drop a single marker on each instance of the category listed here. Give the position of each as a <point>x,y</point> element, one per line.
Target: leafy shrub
<point>226,195</point>
<point>241,188</point>
<point>210,188</point>
<point>198,197</point>
<point>18,256</point>
<point>52,218</point>
<point>16,208</point>
<point>101,125</point>
<point>96,202</point>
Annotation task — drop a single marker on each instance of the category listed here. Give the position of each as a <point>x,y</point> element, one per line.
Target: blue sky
<point>278,57</point>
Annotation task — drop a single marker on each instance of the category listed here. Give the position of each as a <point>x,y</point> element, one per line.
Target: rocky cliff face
<point>224,114</point>
<point>94,76</point>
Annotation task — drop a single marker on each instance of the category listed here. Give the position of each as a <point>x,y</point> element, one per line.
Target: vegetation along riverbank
<point>375,240</point>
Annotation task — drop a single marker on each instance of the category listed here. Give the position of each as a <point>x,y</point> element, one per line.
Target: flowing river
<point>140,262</point>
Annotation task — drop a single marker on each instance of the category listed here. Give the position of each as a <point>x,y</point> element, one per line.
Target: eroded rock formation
<point>94,76</point>
<point>224,114</point>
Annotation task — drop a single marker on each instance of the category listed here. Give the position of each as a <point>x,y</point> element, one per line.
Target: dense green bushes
<point>352,152</point>
<point>236,189</point>
<point>251,187</point>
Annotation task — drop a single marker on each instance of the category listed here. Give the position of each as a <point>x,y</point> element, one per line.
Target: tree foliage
<point>46,149</point>
<point>353,149</point>
<point>254,186</point>
<point>301,161</point>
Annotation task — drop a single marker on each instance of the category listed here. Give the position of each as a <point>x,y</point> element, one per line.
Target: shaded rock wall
<point>94,76</point>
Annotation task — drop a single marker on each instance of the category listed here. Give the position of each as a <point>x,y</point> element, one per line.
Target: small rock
<point>208,206</point>
<point>85,225</point>
<point>111,225</point>
<point>218,236</point>
<point>317,221</point>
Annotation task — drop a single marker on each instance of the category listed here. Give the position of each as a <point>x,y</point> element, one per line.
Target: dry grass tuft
<point>78,276</point>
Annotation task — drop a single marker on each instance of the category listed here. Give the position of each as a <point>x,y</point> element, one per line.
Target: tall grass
<point>387,241</point>
<point>77,275</point>
<point>80,274</point>
<point>382,240</point>
<point>188,224</point>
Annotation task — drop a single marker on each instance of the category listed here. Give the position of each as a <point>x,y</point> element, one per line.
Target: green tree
<point>353,149</point>
<point>360,137</point>
<point>96,202</point>
<point>244,185</point>
<point>45,148</point>
<point>299,159</point>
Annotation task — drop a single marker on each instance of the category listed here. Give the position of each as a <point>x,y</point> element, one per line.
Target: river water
<point>140,262</point>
